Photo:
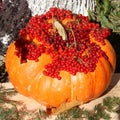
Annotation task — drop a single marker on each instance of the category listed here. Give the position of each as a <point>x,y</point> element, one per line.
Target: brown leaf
<point>60,29</point>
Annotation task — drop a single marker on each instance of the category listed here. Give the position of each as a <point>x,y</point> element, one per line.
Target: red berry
<point>76,54</point>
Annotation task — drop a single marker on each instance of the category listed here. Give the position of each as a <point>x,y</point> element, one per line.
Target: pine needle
<point>107,14</point>
<point>100,111</point>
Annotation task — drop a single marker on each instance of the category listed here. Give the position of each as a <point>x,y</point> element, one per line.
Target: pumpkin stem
<point>63,107</point>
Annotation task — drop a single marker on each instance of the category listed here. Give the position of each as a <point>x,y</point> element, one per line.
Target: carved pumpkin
<point>61,59</point>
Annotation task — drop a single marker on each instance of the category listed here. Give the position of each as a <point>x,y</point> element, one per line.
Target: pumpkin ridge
<point>93,84</point>
<point>112,61</point>
<point>106,71</point>
<point>109,51</point>
<point>73,95</point>
<point>105,77</point>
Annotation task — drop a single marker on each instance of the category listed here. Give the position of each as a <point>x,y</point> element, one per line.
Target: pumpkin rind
<point>29,80</point>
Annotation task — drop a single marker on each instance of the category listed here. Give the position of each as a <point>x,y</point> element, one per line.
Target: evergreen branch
<point>100,111</point>
<point>9,113</point>
<point>107,14</point>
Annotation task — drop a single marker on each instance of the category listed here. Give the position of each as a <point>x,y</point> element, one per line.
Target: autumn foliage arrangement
<point>61,59</point>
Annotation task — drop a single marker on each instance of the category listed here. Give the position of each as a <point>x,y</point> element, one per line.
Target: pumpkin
<point>61,59</point>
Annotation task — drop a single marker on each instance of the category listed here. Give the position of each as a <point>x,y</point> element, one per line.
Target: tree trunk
<point>14,15</point>
<point>77,6</point>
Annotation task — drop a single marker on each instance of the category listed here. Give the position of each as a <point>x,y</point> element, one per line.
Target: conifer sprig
<point>107,13</point>
<point>102,110</point>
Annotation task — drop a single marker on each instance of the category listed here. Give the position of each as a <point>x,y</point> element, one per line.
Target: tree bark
<point>77,6</point>
<point>16,13</point>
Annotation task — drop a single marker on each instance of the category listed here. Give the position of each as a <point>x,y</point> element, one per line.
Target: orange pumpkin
<point>72,89</point>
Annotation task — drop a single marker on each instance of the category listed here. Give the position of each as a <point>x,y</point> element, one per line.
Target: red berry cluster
<point>100,34</point>
<point>75,54</point>
<point>28,50</point>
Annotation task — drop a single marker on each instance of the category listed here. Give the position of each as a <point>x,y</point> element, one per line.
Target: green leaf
<point>9,114</point>
<point>91,15</point>
<point>107,14</point>
<point>106,23</point>
<point>106,6</point>
<point>111,103</point>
